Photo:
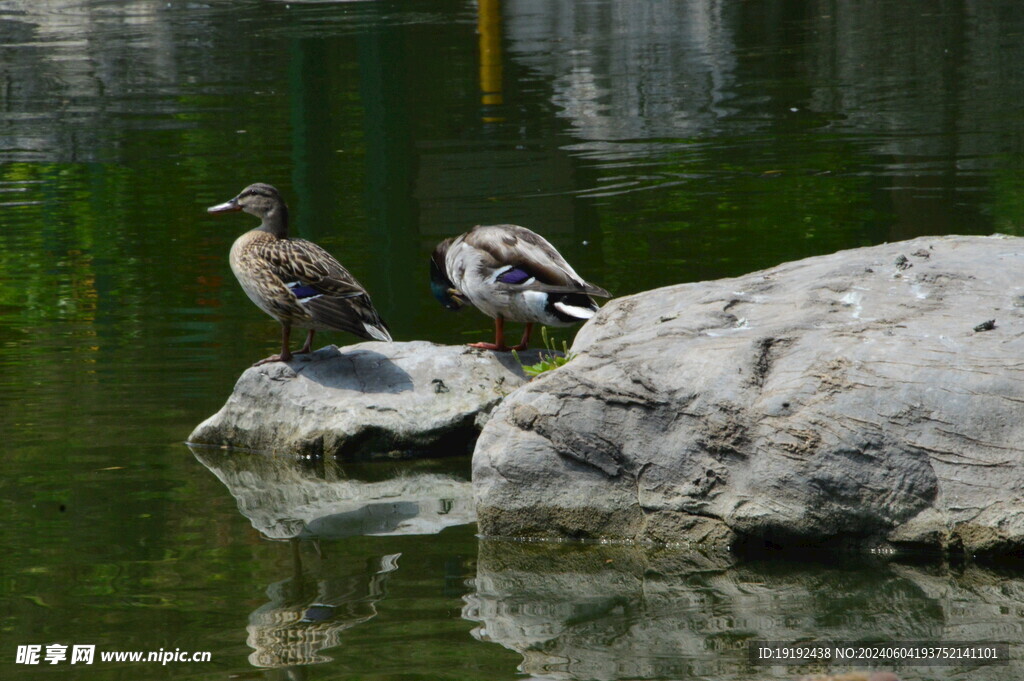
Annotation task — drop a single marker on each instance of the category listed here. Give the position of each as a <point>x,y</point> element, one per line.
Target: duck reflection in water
<point>308,612</point>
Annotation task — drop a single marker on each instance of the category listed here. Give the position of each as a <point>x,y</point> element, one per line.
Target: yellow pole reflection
<point>489,27</point>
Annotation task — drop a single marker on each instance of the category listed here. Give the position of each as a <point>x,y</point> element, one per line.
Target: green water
<point>652,142</point>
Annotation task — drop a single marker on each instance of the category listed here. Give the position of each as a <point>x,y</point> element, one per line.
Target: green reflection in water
<point>652,146</point>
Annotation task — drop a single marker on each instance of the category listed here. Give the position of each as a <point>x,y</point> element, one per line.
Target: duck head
<point>440,285</point>
<point>261,200</point>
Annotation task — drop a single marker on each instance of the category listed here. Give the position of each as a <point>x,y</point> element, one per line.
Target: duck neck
<point>276,222</point>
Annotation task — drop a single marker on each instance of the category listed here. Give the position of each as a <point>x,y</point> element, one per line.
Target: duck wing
<point>323,288</point>
<point>520,258</point>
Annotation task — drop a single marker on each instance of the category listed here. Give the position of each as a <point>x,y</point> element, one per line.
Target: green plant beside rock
<point>552,359</point>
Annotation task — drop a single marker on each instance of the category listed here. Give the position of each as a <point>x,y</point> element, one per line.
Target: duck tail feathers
<point>353,314</point>
<point>575,311</point>
<point>377,332</point>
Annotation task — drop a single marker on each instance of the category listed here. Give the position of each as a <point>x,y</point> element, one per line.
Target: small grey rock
<point>364,400</point>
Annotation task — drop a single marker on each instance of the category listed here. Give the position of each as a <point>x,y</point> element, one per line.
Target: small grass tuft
<point>548,361</point>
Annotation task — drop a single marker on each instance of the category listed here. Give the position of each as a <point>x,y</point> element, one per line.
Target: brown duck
<point>293,280</point>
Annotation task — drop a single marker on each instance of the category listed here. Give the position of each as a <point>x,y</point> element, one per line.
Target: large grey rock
<point>366,399</point>
<point>842,398</point>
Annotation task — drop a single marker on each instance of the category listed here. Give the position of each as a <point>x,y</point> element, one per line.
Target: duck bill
<point>226,207</point>
<point>457,297</point>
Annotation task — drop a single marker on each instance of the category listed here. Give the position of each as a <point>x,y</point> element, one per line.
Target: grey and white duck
<point>510,273</point>
<point>293,280</point>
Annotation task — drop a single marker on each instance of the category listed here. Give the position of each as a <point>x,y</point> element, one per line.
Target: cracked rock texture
<point>366,400</point>
<point>841,399</point>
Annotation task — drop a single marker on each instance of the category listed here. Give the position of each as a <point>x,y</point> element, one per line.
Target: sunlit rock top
<point>366,400</point>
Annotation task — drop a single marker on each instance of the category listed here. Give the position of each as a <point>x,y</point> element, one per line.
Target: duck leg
<point>286,354</point>
<point>499,338</point>
<point>308,347</point>
<point>526,338</point>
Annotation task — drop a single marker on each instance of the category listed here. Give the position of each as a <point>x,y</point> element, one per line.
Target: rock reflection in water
<point>612,612</point>
<point>283,499</point>
<point>288,499</point>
